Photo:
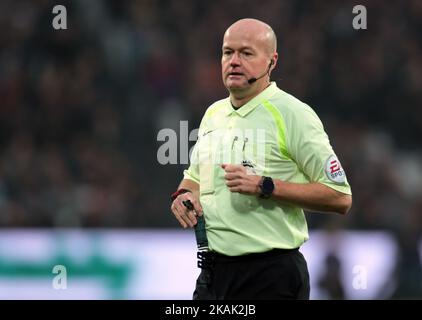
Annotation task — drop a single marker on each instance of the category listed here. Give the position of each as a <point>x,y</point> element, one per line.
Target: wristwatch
<point>267,187</point>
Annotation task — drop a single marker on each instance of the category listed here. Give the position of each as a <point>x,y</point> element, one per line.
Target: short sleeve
<point>310,148</point>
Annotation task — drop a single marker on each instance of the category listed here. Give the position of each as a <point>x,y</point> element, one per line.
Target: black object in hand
<point>188,204</point>
<point>200,233</point>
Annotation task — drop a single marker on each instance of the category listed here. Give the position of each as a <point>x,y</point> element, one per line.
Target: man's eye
<point>227,53</point>
<point>248,54</point>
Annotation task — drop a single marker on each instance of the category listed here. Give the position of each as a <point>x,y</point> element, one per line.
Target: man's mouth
<point>235,74</point>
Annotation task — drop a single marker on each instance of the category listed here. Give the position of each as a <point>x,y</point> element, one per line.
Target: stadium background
<point>80,110</point>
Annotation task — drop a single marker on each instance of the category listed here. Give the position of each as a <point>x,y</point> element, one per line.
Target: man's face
<point>244,56</point>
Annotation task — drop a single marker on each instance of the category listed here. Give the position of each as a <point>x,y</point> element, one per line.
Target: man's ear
<point>273,61</point>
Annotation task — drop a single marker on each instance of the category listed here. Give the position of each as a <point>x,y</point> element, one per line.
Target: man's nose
<point>235,60</point>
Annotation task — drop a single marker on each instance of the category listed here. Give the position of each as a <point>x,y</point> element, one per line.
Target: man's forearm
<point>190,185</point>
<point>312,196</point>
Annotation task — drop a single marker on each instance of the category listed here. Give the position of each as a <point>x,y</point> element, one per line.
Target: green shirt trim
<point>281,126</point>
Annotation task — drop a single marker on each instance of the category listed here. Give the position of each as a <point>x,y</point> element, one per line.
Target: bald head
<point>249,54</point>
<point>256,31</point>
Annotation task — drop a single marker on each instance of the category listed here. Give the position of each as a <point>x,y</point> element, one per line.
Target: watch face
<point>267,185</point>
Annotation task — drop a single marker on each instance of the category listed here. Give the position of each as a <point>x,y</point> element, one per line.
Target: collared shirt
<point>274,135</point>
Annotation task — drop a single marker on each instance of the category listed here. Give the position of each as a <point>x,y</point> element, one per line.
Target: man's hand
<point>183,215</point>
<point>238,180</point>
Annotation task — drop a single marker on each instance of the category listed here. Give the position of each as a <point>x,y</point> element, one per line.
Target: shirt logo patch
<point>334,170</point>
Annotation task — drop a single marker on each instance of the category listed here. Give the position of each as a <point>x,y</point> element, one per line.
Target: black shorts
<point>276,274</point>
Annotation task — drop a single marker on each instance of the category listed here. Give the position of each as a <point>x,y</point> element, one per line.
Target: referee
<point>262,156</point>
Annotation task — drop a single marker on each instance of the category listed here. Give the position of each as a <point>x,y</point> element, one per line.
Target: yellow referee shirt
<point>274,135</point>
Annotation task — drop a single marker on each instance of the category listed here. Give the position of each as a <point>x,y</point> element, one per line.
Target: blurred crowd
<point>80,108</point>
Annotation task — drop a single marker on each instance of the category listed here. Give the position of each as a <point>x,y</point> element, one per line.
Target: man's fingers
<point>191,215</point>
<point>198,208</point>
<point>181,221</point>
<point>200,211</point>
<point>237,189</point>
<point>186,219</point>
<point>231,176</point>
<point>179,213</point>
<point>186,216</point>
<point>196,205</point>
<point>232,183</point>
<point>230,168</point>
<point>190,211</point>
